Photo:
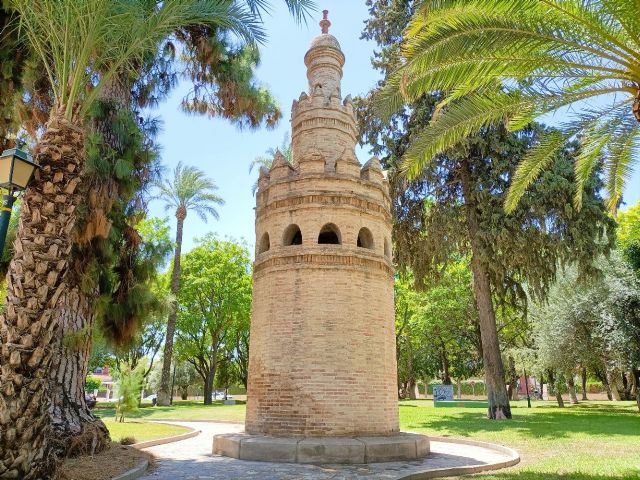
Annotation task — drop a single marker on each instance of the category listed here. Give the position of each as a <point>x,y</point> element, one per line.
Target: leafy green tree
<point>454,208</point>
<point>628,235</point>
<point>436,329</point>
<point>215,292</point>
<point>189,189</point>
<point>92,383</point>
<point>129,382</point>
<point>518,60</point>
<point>186,376</point>
<point>593,323</point>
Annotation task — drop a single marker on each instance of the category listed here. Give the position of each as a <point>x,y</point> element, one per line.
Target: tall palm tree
<point>82,44</point>
<point>516,60</point>
<point>189,189</point>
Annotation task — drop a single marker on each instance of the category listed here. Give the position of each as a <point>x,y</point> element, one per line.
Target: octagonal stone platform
<point>321,450</point>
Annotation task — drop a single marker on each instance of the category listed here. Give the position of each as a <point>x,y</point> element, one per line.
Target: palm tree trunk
<point>499,407</point>
<point>77,430</point>
<point>36,282</point>
<point>164,394</point>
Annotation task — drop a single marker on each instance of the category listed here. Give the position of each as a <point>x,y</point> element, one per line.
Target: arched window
<point>365,239</point>
<point>329,234</point>
<point>292,235</point>
<point>264,244</point>
<point>387,248</point>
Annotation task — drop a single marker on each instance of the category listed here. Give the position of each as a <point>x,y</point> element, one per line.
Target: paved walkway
<point>192,459</point>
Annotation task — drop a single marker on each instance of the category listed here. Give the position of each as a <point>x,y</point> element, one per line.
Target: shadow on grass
<point>551,424</point>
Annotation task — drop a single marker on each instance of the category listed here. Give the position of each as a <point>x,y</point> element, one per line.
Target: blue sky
<point>224,152</point>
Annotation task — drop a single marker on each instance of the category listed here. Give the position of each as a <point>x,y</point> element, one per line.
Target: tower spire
<point>325,23</point>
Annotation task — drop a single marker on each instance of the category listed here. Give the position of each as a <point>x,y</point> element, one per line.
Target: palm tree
<point>516,60</point>
<point>82,44</point>
<point>189,189</point>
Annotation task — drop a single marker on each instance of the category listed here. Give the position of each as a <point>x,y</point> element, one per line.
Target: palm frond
<point>531,58</point>
<point>532,164</point>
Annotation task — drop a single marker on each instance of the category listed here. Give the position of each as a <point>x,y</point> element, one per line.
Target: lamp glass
<point>22,172</point>
<point>5,170</point>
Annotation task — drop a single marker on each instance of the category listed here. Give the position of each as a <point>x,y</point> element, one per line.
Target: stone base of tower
<point>322,450</point>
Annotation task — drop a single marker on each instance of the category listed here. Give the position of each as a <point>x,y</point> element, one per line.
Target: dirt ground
<point>105,465</point>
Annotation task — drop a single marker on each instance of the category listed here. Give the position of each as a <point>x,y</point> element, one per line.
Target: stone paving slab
<point>192,460</point>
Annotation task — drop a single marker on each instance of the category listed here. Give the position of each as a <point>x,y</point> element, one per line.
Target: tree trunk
<point>584,383</point>
<point>412,387</point>
<point>164,397</point>
<point>556,389</point>
<point>572,388</point>
<point>513,379</point>
<point>208,387</point>
<point>76,430</point>
<point>36,280</point>
<point>446,377</point>
<point>499,407</point>
<point>603,378</point>
<point>636,381</point>
<point>612,380</point>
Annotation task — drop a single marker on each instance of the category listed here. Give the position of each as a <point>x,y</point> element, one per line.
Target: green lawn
<point>141,431</point>
<point>590,441</point>
<point>183,410</point>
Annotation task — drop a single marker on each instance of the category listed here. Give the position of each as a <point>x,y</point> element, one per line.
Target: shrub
<point>91,384</point>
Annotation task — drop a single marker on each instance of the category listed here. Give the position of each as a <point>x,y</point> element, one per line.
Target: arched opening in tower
<point>329,235</point>
<point>365,239</point>
<point>264,243</point>
<point>292,236</point>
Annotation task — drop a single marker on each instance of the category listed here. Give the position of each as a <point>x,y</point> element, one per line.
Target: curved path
<point>192,459</point>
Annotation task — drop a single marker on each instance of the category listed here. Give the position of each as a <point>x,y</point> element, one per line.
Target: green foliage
<point>92,383</point>
<point>593,323</point>
<point>628,234</point>
<point>214,301</point>
<point>431,226</point>
<point>129,388</point>
<point>514,61</point>
<point>105,38</point>
<point>436,328</point>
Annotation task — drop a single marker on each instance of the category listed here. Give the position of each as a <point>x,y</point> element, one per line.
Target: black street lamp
<point>16,171</point>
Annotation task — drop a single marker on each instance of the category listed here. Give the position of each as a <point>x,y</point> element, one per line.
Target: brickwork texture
<point>322,358</point>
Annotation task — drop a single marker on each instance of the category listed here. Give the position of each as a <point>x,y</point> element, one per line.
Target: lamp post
<point>16,171</point>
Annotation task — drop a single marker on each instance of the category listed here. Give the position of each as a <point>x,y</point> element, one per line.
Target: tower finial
<point>325,23</point>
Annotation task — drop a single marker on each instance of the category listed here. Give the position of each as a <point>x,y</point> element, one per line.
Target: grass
<point>141,431</point>
<point>187,410</point>
<point>589,441</point>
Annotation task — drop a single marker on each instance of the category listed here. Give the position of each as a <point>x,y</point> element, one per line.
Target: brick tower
<point>322,358</point>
